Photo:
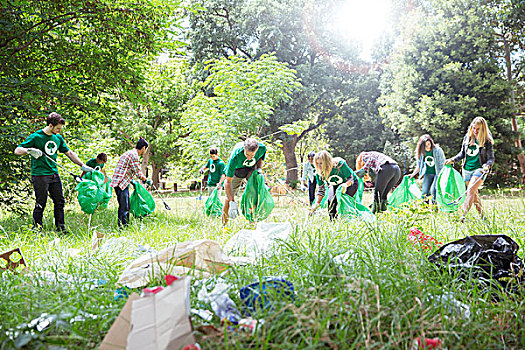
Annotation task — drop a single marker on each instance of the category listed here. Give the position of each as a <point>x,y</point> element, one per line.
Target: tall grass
<point>383,295</point>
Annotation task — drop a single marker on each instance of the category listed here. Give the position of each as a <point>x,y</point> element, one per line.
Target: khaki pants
<point>236,185</point>
<point>211,189</point>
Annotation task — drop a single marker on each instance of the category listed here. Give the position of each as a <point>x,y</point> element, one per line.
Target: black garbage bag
<point>484,257</point>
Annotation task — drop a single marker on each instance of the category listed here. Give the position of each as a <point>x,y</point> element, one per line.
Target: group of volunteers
<point>476,153</point>
<point>322,173</point>
<point>43,147</point>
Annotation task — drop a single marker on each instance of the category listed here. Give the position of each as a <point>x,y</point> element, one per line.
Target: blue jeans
<point>123,205</point>
<point>469,174</point>
<point>429,186</point>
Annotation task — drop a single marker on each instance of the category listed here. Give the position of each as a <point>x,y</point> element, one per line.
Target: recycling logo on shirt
<point>472,152</point>
<point>335,180</point>
<point>51,147</point>
<point>212,168</point>
<point>429,161</point>
<point>249,162</point>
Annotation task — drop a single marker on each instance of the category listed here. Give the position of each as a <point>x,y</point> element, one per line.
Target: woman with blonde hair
<point>386,172</point>
<point>478,157</point>
<point>334,172</point>
<point>430,160</point>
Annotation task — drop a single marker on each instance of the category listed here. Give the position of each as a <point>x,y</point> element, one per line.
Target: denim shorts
<point>468,174</point>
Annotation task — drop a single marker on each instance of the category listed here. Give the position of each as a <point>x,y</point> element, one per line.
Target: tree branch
<point>320,122</point>
<point>34,26</point>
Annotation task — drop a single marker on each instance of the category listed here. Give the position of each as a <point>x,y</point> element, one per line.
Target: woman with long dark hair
<point>430,160</point>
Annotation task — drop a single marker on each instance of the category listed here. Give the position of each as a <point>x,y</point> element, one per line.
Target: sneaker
<point>37,229</point>
<point>62,230</point>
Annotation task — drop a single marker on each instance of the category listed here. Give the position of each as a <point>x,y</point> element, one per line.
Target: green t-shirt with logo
<point>472,162</point>
<point>93,163</point>
<point>238,160</point>
<point>216,168</point>
<point>430,163</point>
<point>48,144</point>
<point>338,175</point>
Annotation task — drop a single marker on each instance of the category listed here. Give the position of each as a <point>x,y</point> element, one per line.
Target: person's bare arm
<point>223,176</point>
<point>228,189</point>
<point>74,158</point>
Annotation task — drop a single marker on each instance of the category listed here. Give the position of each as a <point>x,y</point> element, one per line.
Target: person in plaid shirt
<point>387,174</point>
<point>128,166</point>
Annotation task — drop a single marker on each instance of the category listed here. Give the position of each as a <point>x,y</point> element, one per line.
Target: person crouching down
<point>246,157</point>
<point>334,172</point>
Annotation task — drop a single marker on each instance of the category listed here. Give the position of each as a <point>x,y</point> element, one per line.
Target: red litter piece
<point>426,343</point>
<point>170,279</point>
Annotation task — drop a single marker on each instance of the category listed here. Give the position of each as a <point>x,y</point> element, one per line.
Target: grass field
<point>385,295</point>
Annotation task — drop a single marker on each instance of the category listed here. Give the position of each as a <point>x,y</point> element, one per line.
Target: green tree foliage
<point>508,19</point>
<point>359,127</point>
<point>241,95</point>
<point>300,33</point>
<point>444,75</point>
<point>63,56</point>
<point>157,115</point>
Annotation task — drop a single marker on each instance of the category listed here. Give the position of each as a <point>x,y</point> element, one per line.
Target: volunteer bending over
<point>386,172</point>
<point>334,172</point>
<point>246,157</point>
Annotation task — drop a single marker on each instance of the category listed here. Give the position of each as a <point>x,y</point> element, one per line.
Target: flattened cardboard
<point>161,321</point>
<point>200,258</point>
<point>117,336</point>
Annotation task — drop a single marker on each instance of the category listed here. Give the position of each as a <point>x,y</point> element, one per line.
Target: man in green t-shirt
<point>43,146</point>
<point>246,157</point>
<point>98,164</point>
<point>216,167</point>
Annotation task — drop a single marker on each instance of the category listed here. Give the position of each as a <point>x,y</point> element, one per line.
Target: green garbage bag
<point>141,201</point>
<point>324,201</point>
<point>105,188</point>
<point>360,189</point>
<point>256,201</point>
<point>107,192</point>
<point>449,187</point>
<point>92,192</point>
<point>351,207</point>
<point>213,205</point>
<point>405,193</point>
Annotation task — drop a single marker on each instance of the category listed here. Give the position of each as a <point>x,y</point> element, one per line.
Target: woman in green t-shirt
<point>430,160</point>
<point>334,172</point>
<point>478,157</point>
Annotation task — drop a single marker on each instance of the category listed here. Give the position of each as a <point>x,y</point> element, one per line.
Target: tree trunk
<point>145,161</point>
<point>289,144</point>
<point>512,101</point>
<point>155,171</point>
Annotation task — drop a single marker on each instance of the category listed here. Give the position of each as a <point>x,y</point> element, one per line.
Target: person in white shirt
<point>308,178</point>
